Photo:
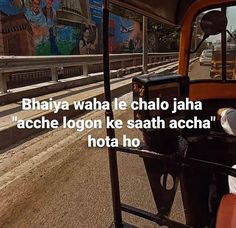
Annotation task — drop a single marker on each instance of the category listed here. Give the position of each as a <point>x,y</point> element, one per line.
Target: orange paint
<point>227,212</point>
<point>201,90</point>
<point>212,90</point>
<point>185,40</point>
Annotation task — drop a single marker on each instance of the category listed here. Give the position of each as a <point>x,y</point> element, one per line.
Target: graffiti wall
<point>125,35</point>
<point>62,27</point>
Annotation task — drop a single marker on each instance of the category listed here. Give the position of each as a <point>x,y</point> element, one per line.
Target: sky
<point>231,15</point>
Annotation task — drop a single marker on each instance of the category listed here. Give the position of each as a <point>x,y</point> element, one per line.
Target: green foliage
<point>167,37</point>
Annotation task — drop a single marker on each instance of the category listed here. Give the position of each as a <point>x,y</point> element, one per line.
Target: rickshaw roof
<point>168,11</point>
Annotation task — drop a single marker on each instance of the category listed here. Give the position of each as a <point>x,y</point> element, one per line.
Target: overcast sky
<point>231,15</point>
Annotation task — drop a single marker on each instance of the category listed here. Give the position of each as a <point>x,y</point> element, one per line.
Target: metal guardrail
<point>11,64</point>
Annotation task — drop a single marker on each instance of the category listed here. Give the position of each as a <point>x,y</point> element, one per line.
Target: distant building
<point>16,35</point>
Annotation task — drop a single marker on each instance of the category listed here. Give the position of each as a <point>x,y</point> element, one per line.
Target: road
<point>67,183</point>
<point>55,180</point>
<point>199,72</point>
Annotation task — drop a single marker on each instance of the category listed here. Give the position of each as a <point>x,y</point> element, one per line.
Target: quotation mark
<point>213,118</point>
<point>14,118</point>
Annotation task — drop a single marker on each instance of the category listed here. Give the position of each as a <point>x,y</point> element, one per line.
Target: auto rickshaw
<point>203,166</point>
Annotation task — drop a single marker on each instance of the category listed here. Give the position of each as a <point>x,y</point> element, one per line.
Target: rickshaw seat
<point>226,216</point>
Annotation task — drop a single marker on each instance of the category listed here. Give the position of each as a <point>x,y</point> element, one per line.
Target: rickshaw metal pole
<point>145,45</point>
<point>112,153</point>
<point>224,50</point>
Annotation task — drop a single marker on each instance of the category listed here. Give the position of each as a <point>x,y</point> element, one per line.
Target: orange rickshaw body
<point>226,216</point>
<point>198,90</point>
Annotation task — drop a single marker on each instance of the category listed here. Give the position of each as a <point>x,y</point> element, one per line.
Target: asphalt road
<point>199,72</point>
<point>72,188</point>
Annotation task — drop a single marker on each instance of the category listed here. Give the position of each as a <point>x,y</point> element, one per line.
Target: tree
<point>167,37</point>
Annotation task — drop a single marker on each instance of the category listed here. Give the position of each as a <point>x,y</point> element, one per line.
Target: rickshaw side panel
<point>227,212</point>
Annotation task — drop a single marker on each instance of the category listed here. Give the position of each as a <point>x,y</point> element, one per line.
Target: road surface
<point>55,180</point>
<point>196,71</point>
<point>67,184</point>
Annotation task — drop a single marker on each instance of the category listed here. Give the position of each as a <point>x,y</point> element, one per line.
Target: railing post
<point>112,152</point>
<point>145,45</point>
<point>122,64</point>
<point>134,62</point>
<point>85,70</point>
<point>3,83</point>
<point>54,74</point>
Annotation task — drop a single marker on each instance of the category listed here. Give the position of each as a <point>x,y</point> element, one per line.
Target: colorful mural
<point>125,35</point>
<point>62,27</point>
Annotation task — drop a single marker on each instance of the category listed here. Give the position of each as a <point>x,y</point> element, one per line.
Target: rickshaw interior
<point>204,25</point>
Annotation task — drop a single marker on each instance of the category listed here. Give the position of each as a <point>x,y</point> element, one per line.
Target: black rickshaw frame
<point>118,207</point>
